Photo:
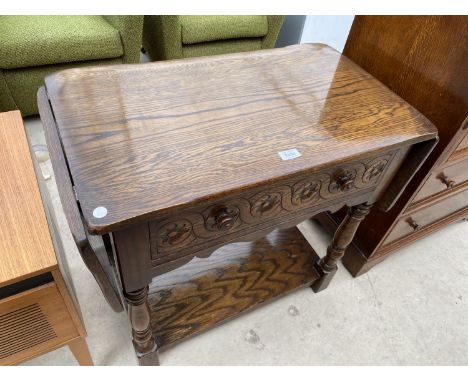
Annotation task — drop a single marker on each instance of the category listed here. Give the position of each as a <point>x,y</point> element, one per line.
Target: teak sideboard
<point>423,59</point>
<point>183,180</point>
<point>38,308</point>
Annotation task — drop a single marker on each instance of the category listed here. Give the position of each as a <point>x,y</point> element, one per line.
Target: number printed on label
<point>289,154</point>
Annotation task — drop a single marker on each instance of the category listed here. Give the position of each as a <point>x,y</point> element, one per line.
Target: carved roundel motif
<point>374,170</point>
<point>305,191</point>
<point>174,233</point>
<point>342,180</point>
<point>265,204</point>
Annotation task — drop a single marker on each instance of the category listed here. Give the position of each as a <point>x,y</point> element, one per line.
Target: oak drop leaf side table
<point>183,180</point>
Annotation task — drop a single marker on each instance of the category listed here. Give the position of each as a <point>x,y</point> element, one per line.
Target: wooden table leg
<point>80,350</point>
<point>327,266</point>
<point>140,319</point>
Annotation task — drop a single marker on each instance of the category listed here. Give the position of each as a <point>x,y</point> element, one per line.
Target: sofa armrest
<point>7,102</point>
<point>131,29</point>
<point>162,37</point>
<point>274,27</point>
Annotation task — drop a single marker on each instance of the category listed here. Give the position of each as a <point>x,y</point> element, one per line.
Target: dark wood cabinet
<point>424,60</point>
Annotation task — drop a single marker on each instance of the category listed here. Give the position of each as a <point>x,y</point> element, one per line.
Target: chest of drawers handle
<point>413,224</point>
<point>446,180</point>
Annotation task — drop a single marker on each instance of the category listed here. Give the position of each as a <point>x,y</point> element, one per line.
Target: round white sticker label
<point>100,212</point>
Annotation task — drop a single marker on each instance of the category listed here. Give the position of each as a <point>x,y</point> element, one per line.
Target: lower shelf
<point>234,279</point>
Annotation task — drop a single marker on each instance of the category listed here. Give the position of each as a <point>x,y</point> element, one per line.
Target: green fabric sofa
<point>170,37</point>
<point>32,47</point>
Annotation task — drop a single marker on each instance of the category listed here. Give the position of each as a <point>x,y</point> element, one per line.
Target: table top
<point>26,247</point>
<point>143,139</point>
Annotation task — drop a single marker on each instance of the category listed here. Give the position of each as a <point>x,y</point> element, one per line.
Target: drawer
<point>461,150</point>
<point>429,215</point>
<point>33,322</point>
<point>463,144</point>
<point>443,179</point>
<point>201,227</point>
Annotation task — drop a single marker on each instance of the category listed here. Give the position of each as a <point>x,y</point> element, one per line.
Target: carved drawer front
<point>199,226</point>
<point>443,180</point>
<point>430,215</point>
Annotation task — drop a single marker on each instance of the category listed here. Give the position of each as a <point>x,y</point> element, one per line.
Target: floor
<point>411,309</point>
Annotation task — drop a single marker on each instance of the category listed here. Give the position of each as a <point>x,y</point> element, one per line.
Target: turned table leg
<point>140,319</point>
<point>327,266</point>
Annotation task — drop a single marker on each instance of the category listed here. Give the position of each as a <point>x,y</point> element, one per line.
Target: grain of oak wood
<point>141,153</point>
<point>25,244</point>
<point>237,278</point>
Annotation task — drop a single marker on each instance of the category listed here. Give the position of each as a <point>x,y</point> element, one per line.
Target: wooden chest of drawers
<point>426,218</point>
<point>442,181</point>
<point>424,60</point>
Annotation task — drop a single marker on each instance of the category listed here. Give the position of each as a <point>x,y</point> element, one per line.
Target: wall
<point>291,30</point>
<point>330,30</point>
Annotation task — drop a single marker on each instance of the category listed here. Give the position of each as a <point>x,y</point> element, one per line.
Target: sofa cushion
<point>23,83</point>
<point>44,40</point>
<point>197,29</point>
<point>221,47</point>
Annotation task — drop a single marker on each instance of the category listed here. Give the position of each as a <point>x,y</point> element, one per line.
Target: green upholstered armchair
<point>32,47</point>
<point>169,37</point>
